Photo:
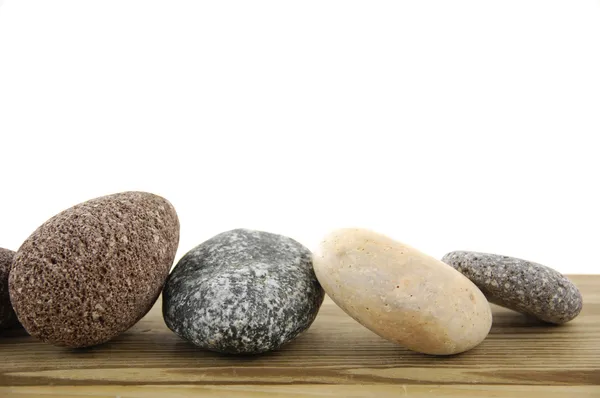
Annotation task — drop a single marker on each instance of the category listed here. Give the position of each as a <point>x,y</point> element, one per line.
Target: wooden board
<point>336,357</point>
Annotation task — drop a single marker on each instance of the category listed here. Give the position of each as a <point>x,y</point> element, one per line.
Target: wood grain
<point>336,357</point>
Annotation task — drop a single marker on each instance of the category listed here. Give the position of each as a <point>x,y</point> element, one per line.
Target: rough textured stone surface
<point>401,294</point>
<point>242,292</point>
<point>520,285</point>
<point>8,319</point>
<point>92,271</point>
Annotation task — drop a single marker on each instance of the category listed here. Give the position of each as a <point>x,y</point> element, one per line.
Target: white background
<point>445,124</point>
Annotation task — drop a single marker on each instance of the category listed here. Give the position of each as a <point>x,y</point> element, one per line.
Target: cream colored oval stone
<point>401,294</point>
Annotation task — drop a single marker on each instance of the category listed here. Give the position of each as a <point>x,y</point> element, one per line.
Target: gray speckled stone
<point>520,285</point>
<point>242,292</point>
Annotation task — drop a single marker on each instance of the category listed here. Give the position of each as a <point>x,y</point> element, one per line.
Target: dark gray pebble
<point>8,318</point>
<point>242,292</point>
<point>520,285</point>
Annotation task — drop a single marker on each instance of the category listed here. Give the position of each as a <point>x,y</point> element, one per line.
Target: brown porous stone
<point>94,270</point>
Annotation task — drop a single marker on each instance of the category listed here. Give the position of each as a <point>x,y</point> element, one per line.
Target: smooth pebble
<point>401,294</point>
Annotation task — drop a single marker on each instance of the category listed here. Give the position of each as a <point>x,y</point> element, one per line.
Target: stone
<point>92,271</point>
<point>520,285</point>
<point>401,294</point>
<point>242,292</point>
<point>8,318</point>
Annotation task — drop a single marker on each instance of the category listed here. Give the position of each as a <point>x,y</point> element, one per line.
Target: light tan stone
<point>401,294</point>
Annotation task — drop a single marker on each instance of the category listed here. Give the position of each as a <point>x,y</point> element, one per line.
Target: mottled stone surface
<point>520,285</point>
<point>242,292</point>
<point>92,271</point>
<point>401,294</point>
<point>8,319</point>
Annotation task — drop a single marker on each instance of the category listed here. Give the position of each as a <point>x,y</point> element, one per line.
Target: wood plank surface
<point>335,357</point>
